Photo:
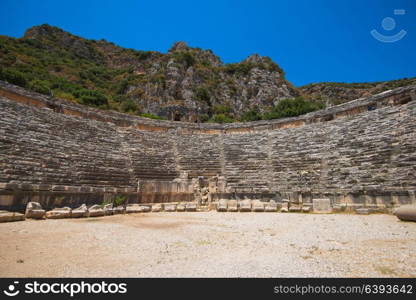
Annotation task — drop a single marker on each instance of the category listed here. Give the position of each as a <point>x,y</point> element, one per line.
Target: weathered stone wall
<point>60,153</point>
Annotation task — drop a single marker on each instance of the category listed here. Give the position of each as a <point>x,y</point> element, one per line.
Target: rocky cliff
<point>333,93</point>
<point>184,84</point>
<point>187,84</point>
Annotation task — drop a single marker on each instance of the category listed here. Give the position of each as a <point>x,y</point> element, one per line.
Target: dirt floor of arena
<point>210,244</point>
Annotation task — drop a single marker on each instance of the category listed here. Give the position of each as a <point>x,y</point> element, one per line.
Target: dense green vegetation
<point>119,200</point>
<point>83,78</point>
<point>292,108</point>
<point>285,108</point>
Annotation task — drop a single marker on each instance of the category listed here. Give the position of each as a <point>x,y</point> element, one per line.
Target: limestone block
<point>59,213</point>
<point>108,209</point>
<point>134,208</point>
<point>119,210</point>
<point>245,205</point>
<point>322,205</point>
<point>232,205</point>
<point>257,206</point>
<point>406,212</point>
<point>362,211</point>
<point>295,208</point>
<point>96,211</point>
<point>222,205</point>
<point>156,207</point>
<point>341,207</point>
<point>271,206</point>
<point>170,207</point>
<point>285,207</point>
<point>191,206</point>
<point>146,208</point>
<point>7,216</point>
<point>212,206</point>
<point>80,212</point>
<point>34,211</point>
<point>180,207</point>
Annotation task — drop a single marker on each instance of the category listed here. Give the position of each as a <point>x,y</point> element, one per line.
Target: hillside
<point>333,93</point>
<point>185,84</point>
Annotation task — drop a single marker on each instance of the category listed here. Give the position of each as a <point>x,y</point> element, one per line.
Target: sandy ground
<point>210,244</point>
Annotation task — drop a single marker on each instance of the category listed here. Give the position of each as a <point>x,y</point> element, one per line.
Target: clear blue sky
<point>312,41</point>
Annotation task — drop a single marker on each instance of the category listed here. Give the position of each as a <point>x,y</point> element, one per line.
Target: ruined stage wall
<point>60,153</point>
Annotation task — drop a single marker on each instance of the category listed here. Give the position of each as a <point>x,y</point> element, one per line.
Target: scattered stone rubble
<point>34,211</point>
<point>80,212</point>
<point>59,213</point>
<point>321,205</point>
<point>96,211</point>
<point>7,216</point>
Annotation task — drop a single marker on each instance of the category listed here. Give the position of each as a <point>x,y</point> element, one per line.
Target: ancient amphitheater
<point>356,157</point>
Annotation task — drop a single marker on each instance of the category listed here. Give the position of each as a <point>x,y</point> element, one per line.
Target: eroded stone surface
<point>180,207</point>
<point>7,216</point>
<point>222,205</point>
<point>34,211</point>
<point>191,206</point>
<point>170,207</point>
<point>108,209</point>
<point>271,206</point>
<point>362,211</point>
<point>306,209</point>
<point>285,207</point>
<point>59,213</point>
<point>245,205</point>
<point>295,208</point>
<point>322,205</point>
<point>347,152</point>
<point>257,206</point>
<point>146,208</point>
<point>156,207</point>
<point>232,205</point>
<point>134,208</point>
<point>96,211</point>
<point>119,210</point>
<point>80,212</point>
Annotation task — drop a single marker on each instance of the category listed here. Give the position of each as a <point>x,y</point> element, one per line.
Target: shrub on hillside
<point>221,118</point>
<point>129,106</point>
<point>13,76</point>
<point>40,86</point>
<point>221,109</point>
<point>151,116</point>
<point>292,107</point>
<point>93,98</point>
<point>202,94</point>
<point>251,115</point>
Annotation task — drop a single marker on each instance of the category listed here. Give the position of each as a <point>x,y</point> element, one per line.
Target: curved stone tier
<point>58,153</point>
